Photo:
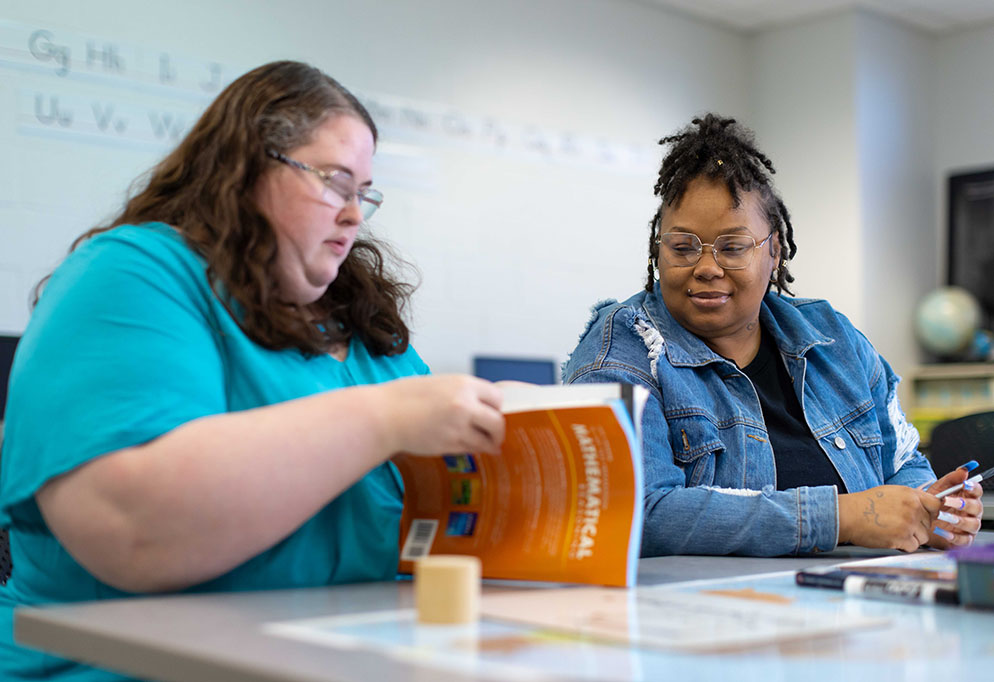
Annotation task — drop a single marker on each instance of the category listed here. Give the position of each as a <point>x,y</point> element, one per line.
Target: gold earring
<point>654,265</point>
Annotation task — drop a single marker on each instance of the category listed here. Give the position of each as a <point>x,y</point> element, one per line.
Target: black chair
<point>959,440</point>
<point>5,563</point>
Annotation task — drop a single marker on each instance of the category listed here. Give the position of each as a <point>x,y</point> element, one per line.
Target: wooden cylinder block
<point>447,589</point>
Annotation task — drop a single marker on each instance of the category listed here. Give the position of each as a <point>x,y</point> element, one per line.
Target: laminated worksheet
<point>671,619</point>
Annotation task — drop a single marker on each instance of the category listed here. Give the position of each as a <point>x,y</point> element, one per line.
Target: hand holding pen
<point>959,518</point>
<point>968,483</point>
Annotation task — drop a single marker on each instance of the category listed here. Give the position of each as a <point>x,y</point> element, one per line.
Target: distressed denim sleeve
<point>902,463</point>
<point>712,520</point>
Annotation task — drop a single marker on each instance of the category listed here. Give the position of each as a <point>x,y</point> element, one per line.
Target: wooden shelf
<point>949,390</point>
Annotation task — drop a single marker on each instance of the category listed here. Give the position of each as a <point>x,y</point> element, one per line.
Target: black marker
<point>874,587</point>
<point>900,590</point>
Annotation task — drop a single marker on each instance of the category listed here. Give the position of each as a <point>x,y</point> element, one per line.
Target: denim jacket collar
<point>793,333</point>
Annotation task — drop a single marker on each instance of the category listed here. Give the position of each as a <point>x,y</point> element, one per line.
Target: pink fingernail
<point>948,518</point>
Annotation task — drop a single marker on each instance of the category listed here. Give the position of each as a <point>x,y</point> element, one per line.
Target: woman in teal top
<point>209,389</point>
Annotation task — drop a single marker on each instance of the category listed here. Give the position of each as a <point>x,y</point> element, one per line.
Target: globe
<point>946,321</point>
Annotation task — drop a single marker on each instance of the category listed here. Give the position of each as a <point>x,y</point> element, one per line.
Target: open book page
<point>562,502</point>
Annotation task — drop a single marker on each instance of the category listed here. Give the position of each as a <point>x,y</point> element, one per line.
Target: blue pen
<point>973,479</point>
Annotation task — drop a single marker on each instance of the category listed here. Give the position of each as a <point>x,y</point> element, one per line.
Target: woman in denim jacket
<point>773,426</point>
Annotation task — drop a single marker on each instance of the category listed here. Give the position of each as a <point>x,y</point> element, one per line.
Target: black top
<point>800,461</point>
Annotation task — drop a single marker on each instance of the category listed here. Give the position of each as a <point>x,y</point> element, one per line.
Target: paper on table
<point>668,619</point>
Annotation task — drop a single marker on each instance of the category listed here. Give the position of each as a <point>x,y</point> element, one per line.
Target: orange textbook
<point>562,502</point>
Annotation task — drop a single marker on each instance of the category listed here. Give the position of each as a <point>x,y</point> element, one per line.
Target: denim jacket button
<point>839,443</point>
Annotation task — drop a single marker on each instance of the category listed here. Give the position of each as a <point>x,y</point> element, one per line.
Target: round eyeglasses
<point>340,182</point>
<point>731,251</point>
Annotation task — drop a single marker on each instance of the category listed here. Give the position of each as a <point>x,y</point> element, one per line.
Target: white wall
<point>896,122</point>
<point>514,245</point>
<point>804,113</point>
<point>844,105</point>
<point>862,116</point>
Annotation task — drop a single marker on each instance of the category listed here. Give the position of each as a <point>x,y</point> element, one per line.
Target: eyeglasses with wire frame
<point>340,182</point>
<point>731,251</point>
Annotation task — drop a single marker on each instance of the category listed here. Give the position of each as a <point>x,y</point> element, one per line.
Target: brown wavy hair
<point>204,189</point>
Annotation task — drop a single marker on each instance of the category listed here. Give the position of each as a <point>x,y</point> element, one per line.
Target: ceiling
<point>933,16</point>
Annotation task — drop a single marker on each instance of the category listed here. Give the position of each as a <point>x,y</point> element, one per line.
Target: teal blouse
<point>127,343</point>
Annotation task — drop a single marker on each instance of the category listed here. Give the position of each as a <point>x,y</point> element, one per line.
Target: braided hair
<point>721,149</point>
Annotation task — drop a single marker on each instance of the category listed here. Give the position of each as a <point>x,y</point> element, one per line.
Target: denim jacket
<point>710,476</point>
